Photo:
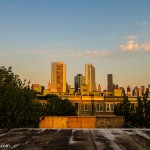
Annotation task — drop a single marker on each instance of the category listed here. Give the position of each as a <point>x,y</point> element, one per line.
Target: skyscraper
<point>149,88</point>
<point>129,93</point>
<point>143,90</point>
<point>110,82</point>
<point>99,88</point>
<point>128,88</point>
<point>58,77</point>
<point>78,81</point>
<point>90,77</point>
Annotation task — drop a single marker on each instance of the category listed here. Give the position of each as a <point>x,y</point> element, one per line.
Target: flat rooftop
<point>75,139</point>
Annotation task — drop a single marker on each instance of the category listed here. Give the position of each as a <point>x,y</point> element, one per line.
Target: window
<point>85,107</point>
<point>110,107</point>
<point>92,107</point>
<point>99,107</point>
<point>76,106</point>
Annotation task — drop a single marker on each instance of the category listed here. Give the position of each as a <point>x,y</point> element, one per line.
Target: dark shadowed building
<point>78,81</point>
<point>110,82</point>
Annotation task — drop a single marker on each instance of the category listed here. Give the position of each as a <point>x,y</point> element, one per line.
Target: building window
<point>92,107</point>
<point>76,106</point>
<point>85,107</point>
<point>84,90</point>
<point>110,107</point>
<point>99,107</point>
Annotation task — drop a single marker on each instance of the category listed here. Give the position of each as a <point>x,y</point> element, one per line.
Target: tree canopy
<point>17,105</point>
<point>59,107</point>
<point>139,115</point>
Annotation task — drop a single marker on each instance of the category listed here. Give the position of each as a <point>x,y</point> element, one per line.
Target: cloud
<point>146,47</point>
<point>131,37</point>
<point>144,24</point>
<point>130,46</point>
<point>134,46</point>
<point>90,53</point>
<point>72,53</point>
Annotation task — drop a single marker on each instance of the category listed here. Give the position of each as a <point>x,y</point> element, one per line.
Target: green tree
<point>17,105</point>
<point>146,110</point>
<point>124,109</point>
<point>139,116</point>
<point>59,107</point>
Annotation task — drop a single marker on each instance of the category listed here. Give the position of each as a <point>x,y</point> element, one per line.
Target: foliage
<point>59,107</point>
<point>124,109</point>
<point>138,116</point>
<point>17,108</point>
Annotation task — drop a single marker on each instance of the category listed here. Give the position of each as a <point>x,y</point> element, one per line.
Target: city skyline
<point>113,36</point>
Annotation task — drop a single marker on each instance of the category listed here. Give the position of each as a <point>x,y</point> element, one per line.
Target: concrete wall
<point>110,121</point>
<point>82,122</point>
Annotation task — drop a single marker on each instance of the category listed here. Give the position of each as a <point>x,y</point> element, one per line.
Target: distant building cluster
<point>84,84</point>
<point>88,99</point>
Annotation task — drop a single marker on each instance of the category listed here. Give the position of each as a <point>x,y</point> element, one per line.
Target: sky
<point>112,35</point>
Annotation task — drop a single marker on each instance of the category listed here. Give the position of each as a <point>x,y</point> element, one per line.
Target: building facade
<point>95,105</point>
<point>90,77</point>
<point>38,88</point>
<point>110,82</point>
<point>78,81</point>
<point>58,77</point>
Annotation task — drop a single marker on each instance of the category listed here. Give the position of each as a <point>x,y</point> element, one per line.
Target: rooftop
<point>70,139</point>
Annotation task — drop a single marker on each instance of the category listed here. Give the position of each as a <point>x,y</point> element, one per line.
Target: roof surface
<point>75,139</point>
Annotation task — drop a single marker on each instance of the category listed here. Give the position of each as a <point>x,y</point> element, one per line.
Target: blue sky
<point>113,35</point>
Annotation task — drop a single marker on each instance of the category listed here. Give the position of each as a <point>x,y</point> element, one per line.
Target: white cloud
<point>134,46</point>
<point>73,53</point>
<point>146,47</point>
<point>144,23</point>
<point>130,46</point>
<point>131,37</point>
<point>89,53</point>
<point>59,53</point>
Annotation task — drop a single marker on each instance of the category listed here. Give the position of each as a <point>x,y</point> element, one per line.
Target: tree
<point>146,110</point>
<point>59,107</point>
<point>17,105</point>
<point>139,116</point>
<point>124,109</point>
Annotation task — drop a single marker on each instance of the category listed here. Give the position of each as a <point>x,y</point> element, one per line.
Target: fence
<point>82,122</point>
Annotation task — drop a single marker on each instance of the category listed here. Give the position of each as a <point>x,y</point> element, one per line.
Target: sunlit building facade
<point>90,77</point>
<point>58,77</point>
<point>38,88</point>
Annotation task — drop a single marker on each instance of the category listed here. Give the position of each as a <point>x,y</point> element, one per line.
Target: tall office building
<point>110,82</point>
<point>128,88</point>
<point>143,90</point>
<point>90,77</point>
<point>99,88</point>
<point>129,92</point>
<point>78,81</point>
<point>135,91</point>
<point>58,77</point>
<point>149,88</point>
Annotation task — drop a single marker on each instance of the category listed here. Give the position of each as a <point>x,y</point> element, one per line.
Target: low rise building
<point>94,105</point>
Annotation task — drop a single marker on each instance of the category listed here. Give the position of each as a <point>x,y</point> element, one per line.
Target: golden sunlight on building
<point>58,77</point>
